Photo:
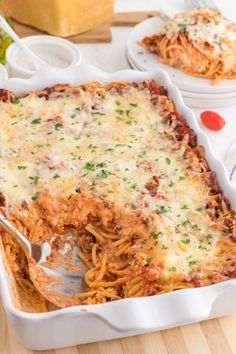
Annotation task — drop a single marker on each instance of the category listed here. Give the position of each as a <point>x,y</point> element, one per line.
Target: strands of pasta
<point>200,42</point>
<point>122,257</point>
<point>183,54</point>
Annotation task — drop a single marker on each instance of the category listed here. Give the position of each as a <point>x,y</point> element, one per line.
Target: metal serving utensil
<point>38,62</point>
<point>57,282</point>
<point>190,4</point>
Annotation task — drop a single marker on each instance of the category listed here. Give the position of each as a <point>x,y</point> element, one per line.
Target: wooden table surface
<point>216,336</point>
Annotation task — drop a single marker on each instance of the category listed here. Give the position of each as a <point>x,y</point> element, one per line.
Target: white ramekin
<point>3,73</point>
<point>50,45</point>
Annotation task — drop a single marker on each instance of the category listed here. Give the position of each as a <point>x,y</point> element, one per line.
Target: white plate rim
<point>193,100</point>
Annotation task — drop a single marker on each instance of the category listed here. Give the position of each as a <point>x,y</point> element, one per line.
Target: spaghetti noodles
<point>200,42</point>
<point>116,170</point>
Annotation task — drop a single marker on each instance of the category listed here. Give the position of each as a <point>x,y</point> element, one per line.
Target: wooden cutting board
<point>211,337</point>
<point>101,34</point>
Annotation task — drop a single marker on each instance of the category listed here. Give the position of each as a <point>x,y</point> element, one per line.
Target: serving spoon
<point>58,282</point>
<point>37,62</point>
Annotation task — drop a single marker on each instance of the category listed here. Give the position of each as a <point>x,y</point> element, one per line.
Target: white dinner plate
<point>146,61</point>
<point>198,100</point>
<point>210,96</point>
<point>207,104</point>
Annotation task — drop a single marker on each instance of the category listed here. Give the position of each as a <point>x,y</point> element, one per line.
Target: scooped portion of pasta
<point>114,170</point>
<point>200,42</point>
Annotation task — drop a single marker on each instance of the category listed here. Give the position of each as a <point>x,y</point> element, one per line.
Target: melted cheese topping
<point>110,147</point>
<point>203,26</point>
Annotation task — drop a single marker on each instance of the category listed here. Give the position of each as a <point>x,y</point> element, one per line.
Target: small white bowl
<point>3,73</point>
<point>57,52</point>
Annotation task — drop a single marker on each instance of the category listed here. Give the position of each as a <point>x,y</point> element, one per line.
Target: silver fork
<point>163,15</point>
<point>190,4</point>
<point>61,283</point>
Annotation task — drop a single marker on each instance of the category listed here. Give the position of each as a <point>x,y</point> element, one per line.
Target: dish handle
<point>167,310</point>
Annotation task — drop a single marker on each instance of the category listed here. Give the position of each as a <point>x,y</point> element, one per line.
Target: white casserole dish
<point>90,323</point>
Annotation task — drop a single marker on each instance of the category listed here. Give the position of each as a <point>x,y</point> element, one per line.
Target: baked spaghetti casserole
<point>117,169</point>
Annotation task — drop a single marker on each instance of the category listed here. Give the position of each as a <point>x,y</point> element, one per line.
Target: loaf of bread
<point>60,17</point>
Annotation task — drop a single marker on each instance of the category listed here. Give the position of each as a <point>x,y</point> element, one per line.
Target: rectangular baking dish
<point>127,317</point>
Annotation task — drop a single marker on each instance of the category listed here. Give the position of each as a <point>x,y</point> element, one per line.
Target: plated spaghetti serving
<point>114,169</point>
<point>200,42</point>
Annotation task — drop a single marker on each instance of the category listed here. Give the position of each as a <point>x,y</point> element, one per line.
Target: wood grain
<point>210,337</point>
<point>214,334</point>
<point>132,18</point>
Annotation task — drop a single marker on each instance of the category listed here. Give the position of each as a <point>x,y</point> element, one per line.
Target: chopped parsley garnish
<point>101,164</point>
<point>120,145</point>
<point>142,154</point>
<point>199,209</point>
<point>35,197</point>
<point>118,103</point>
<point>168,161</point>
<point>73,116</point>
<point>155,234</point>
<point>182,26</point>
<point>22,167</point>
<point>49,133</point>
<point>98,113</point>
<point>89,166</point>
<point>104,174</point>
<point>163,209</point>
<point>184,207</point>
<point>58,126</point>
<point>186,222</point>
<point>120,111</point>
<point>36,121</point>
<point>77,109</point>
<point>133,186</point>
<point>56,176</point>
<point>209,237</point>
<point>15,100</point>
<point>92,147</point>
<point>195,226</point>
<point>185,242</point>
<point>35,179</point>
<point>192,263</point>
<point>133,104</point>
<point>181,178</point>
<point>201,247</point>
<point>171,184</point>
<point>173,269</point>
<point>149,259</point>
